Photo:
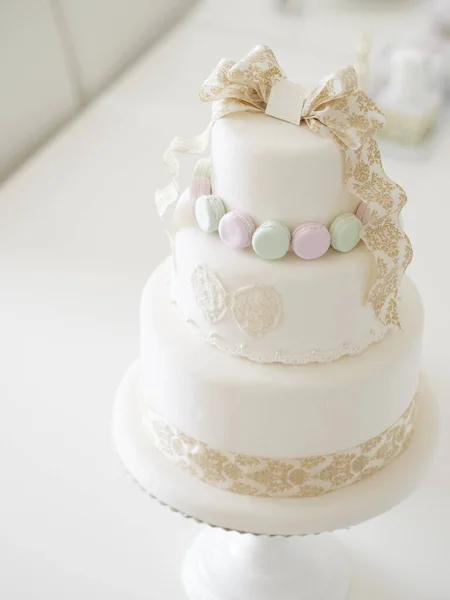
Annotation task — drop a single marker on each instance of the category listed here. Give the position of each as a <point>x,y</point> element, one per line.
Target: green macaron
<point>345,232</point>
<point>271,240</point>
<point>208,212</point>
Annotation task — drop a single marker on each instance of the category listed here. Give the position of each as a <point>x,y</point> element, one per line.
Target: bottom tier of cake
<point>276,430</point>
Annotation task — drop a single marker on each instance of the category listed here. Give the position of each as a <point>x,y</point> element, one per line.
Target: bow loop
<point>346,111</point>
<point>248,82</point>
<point>258,70</point>
<point>332,87</point>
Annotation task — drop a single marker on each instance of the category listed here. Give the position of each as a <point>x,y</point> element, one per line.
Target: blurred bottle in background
<point>440,40</point>
<point>410,100</point>
<point>290,6</point>
<point>409,77</point>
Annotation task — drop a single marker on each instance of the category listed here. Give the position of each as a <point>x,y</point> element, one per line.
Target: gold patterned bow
<point>336,108</point>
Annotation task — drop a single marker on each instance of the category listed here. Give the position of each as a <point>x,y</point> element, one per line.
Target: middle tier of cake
<point>290,311</point>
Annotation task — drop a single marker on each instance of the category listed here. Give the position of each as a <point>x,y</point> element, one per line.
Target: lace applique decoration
<point>257,308</point>
<point>209,294</point>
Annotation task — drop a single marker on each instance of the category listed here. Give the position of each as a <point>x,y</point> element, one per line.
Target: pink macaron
<point>236,229</point>
<point>200,186</point>
<point>363,213</point>
<point>310,240</point>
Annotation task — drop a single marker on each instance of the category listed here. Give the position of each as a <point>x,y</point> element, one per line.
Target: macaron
<point>310,240</point>
<point>236,229</point>
<point>209,210</point>
<point>203,168</point>
<point>363,213</point>
<point>200,186</point>
<point>345,232</point>
<point>271,240</point>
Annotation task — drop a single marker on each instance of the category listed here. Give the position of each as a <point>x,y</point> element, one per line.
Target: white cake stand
<point>249,552</point>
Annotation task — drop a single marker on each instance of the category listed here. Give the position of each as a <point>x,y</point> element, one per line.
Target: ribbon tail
<point>383,235</point>
<point>168,196</point>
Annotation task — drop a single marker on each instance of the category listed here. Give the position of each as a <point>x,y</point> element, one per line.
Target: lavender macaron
<point>363,213</point>
<point>200,186</point>
<point>236,229</point>
<point>310,240</point>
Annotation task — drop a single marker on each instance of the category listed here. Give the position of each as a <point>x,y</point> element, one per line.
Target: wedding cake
<point>281,341</point>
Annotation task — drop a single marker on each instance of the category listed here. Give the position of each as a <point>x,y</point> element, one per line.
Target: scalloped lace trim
<point>287,358</point>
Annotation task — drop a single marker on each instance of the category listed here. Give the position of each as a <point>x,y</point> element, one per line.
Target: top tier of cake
<point>274,170</point>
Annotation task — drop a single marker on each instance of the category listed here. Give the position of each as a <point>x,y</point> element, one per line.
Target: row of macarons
<point>272,239</point>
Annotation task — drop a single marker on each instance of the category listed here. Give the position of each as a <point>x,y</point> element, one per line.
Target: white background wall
<point>55,55</point>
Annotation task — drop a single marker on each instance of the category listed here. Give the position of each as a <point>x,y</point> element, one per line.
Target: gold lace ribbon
<point>286,478</point>
<point>336,108</point>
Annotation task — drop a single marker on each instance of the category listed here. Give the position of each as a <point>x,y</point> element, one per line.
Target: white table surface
<point>79,236</point>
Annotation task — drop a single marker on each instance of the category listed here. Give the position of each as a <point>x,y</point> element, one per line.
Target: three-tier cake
<point>280,342</point>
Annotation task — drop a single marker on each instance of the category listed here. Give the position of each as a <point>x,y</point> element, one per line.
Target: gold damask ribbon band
<point>284,478</point>
<point>336,108</point>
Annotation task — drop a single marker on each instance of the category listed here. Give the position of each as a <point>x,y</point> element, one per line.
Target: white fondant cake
<point>279,377</point>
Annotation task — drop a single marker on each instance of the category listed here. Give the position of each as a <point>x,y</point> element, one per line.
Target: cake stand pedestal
<point>259,548</point>
<point>226,565</point>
